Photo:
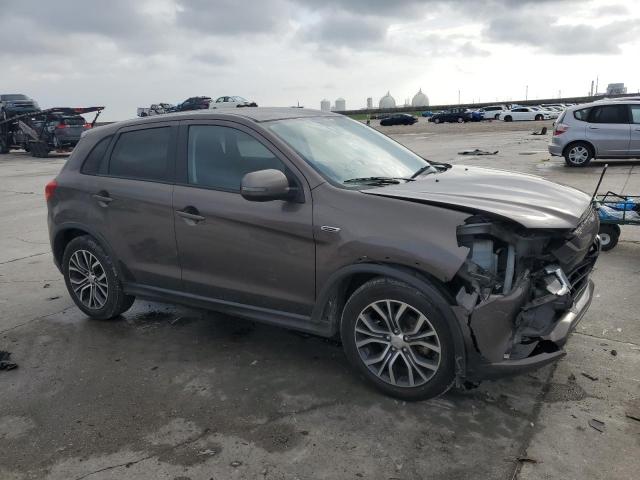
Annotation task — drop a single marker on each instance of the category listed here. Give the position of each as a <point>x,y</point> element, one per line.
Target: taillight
<point>50,189</point>
<point>560,129</point>
<point>87,125</point>
<point>61,125</point>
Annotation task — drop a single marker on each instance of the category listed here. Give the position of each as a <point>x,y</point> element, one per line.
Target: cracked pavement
<point>173,393</point>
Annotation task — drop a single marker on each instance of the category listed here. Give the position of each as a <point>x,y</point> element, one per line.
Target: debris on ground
<point>46,285</point>
<point>633,409</point>
<point>56,297</point>
<point>235,464</point>
<point>5,361</point>
<point>526,460</point>
<point>597,425</point>
<point>614,352</point>
<point>477,152</point>
<point>541,132</point>
<point>590,377</point>
<point>208,452</point>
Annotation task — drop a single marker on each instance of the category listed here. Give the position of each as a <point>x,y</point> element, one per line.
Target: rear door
<point>259,254</point>
<point>133,191</point>
<point>608,129</point>
<point>634,145</point>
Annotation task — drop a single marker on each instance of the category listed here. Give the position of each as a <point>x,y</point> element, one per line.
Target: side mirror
<point>265,185</point>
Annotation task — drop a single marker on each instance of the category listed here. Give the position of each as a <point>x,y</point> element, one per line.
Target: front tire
<point>460,120</point>
<point>436,120</point>
<point>397,338</point>
<point>93,280</point>
<point>508,118</point>
<point>539,117</point>
<point>578,154</point>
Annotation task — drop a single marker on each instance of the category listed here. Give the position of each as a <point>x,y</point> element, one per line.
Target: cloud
<point>543,33</point>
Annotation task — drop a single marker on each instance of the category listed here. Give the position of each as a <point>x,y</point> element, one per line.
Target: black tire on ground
<point>539,117</point>
<point>398,354</point>
<point>578,154</point>
<point>436,120</point>
<point>508,118</point>
<point>609,235</point>
<point>4,145</point>
<point>116,301</point>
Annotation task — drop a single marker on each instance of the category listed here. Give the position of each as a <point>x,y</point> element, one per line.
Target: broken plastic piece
<point>5,363</point>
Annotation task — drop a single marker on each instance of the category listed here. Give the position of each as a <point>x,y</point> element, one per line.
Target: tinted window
<point>635,113</point>
<point>141,154</point>
<point>582,114</point>
<point>92,163</point>
<point>220,156</point>
<point>609,114</point>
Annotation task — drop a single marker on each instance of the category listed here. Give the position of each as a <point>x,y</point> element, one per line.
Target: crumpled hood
<point>528,200</point>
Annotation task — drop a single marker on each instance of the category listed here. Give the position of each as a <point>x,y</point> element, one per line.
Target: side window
<point>635,114</point>
<point>142,154</point>
<point>92,163</point>
<point>582,114</point>
<point>218,157</point>
<point>609,114</point>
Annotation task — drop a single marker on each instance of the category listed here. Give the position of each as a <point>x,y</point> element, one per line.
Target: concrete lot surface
<point>167,392</point>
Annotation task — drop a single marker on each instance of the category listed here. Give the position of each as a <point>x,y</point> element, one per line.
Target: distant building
<point>369,103</point>
<point>387,101</point>
<point>341,105</point>
<point>325,105</point>
<point>616,89</point>
<point>420,100</point>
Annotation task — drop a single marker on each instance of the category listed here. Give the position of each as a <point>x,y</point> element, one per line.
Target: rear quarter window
<point>92,164</point>
<point>582,114</point>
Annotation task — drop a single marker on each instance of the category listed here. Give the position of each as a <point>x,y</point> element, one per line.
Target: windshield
<point>344,149</point>
<point>238,99</point>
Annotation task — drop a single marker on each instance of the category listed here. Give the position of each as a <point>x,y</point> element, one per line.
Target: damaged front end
<point>522,291</point>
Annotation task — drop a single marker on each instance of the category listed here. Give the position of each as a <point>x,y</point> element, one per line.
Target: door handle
<point>191,215</point>
<point>103,198</point>
<point>594,128</point>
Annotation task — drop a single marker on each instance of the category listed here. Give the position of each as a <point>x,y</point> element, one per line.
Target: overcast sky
<point>124,54</point>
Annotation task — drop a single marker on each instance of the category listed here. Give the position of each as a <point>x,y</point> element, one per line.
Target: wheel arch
<point>67,232</point>
<point>342,283</point>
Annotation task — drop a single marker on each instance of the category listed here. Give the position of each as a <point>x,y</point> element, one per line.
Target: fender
<point>329,298</point>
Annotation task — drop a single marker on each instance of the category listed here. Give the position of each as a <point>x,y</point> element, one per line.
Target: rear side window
<point>635,114</point>
<point>94,160</point>
<point>142,155</point>
<point>582,114</point>
<point>609,114</point>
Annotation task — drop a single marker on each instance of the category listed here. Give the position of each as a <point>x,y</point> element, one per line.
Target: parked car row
<point>195,103</point>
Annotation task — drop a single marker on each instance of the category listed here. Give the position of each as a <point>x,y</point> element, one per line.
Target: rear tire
<point>609,235</point>
<point>460,120</point>
<point>93,280</point>
<point>578,154</point>
<point>436,120</point>
<point>396,337</point>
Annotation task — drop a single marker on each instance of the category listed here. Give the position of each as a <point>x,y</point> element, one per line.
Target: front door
<point>609,130</point>
<point>634,145</point>
<point>259,254</point>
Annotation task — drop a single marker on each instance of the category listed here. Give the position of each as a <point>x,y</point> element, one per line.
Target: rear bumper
<point>549,349</point>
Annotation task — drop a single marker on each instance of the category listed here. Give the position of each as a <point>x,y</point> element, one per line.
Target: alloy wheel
<point>88,279</point>
<point>397,343</point>
<point>578,155</point>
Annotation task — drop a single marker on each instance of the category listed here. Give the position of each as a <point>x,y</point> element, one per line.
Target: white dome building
<point>325,105</point>
<point>387,101</point>
<point>420,100</point>
<point>341,105</point>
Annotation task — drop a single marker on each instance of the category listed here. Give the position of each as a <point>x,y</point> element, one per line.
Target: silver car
<point>603,129</point>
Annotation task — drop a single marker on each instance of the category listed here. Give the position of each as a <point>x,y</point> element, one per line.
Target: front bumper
<point>549,349</point>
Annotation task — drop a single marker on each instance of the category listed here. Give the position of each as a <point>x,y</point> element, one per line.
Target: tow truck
<point>41,132</point>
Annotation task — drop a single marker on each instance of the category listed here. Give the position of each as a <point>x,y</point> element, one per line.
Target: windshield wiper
<point>378,180</point>
<point>431,168</point>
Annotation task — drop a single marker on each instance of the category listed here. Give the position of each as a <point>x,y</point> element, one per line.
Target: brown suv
<point>430,273</point>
